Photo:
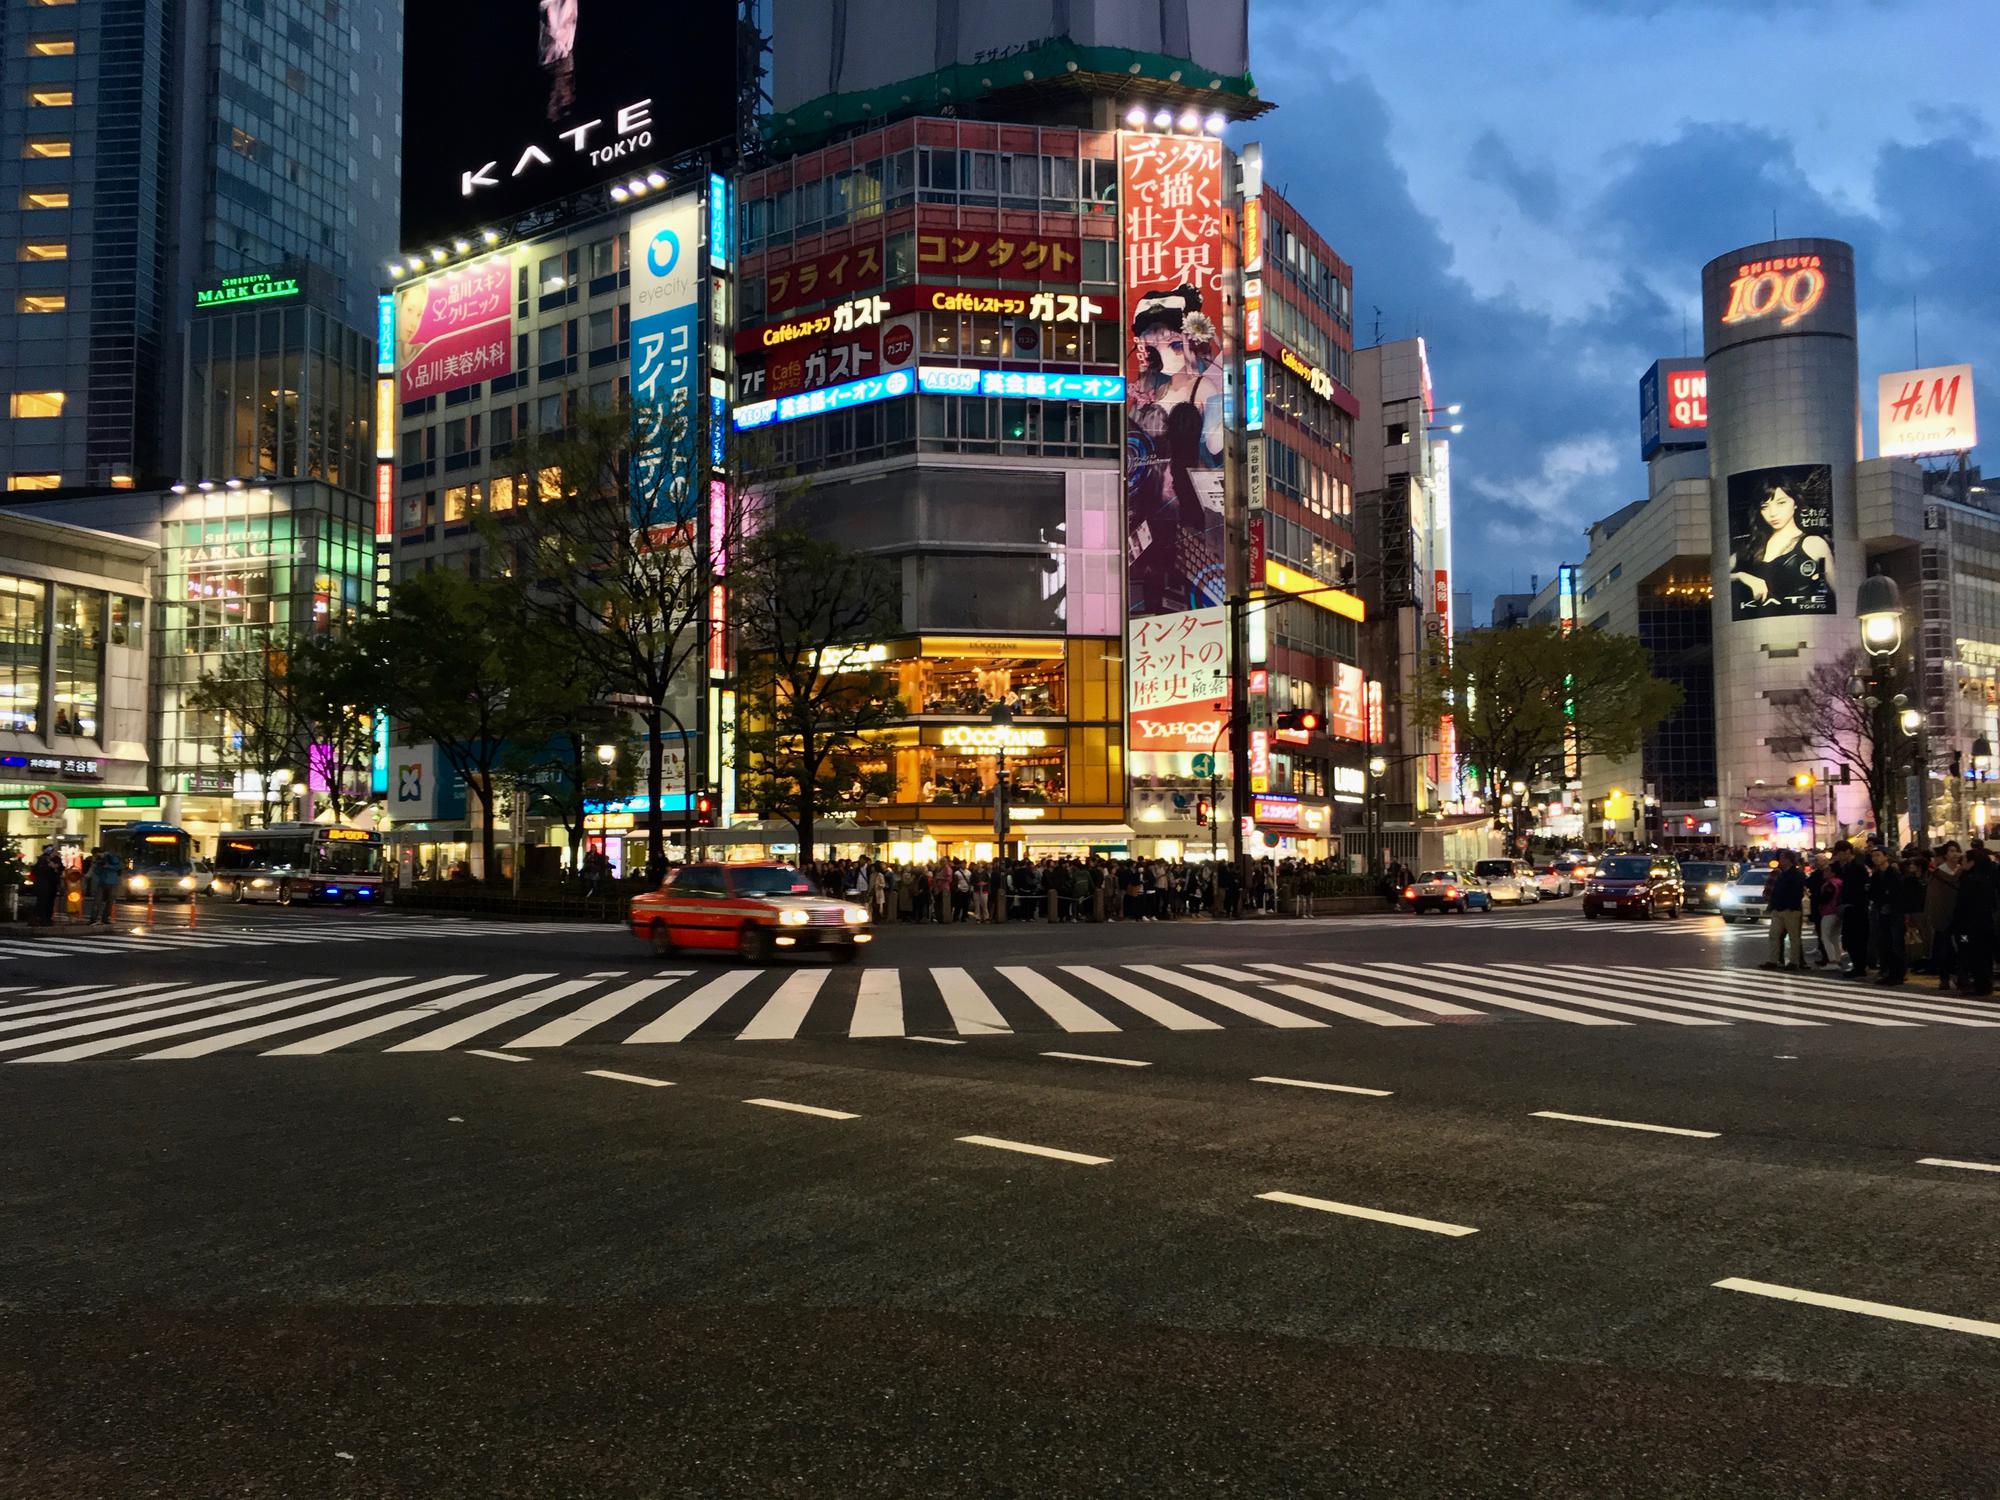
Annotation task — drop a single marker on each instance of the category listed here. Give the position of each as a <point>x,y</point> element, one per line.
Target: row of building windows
<point>61,631</point>
<point>1298,478</point>
<point>1097,265</point>
<point>1289,252</point>
<point>944,424</point>
<point>1306,409</point>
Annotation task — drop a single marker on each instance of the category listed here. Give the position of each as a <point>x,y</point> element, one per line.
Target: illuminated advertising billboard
<point>1781,542</point>
<point>1925,411</point>
<point>1177,681</point>
<point>511,104</point>
<point>666,358</point>
<point>455,329</point>
<point>1777,289</point>
<point>1673,407</point>
<point>1170,201</point>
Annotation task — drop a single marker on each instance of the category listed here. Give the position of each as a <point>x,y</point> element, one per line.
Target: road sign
<point>1204,765</point>
<point>47,804</point>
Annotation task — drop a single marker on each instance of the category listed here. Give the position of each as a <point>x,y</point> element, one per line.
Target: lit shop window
<point>41,302</point>
<point>45,197</point>
<point>34,481</point>
<point>35,404</point>
<point>45,148</point>
<point>51,46</point>
<point>44,250</point>
<point>50,98</point>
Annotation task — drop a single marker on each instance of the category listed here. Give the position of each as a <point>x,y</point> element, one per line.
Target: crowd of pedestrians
<point>1096,889</point>
<point>1874,914</point>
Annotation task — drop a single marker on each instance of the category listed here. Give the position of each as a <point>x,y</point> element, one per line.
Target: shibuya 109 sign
<point>1177,681</point>
<point>1779,289</point>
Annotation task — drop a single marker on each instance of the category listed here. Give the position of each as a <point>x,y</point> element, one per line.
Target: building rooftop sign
<point>256,286</point>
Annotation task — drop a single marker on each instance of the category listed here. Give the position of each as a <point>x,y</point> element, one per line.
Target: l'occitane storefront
<point>1063,753</point>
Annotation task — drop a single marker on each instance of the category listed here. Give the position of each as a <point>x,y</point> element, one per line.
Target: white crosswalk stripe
<point>238,934</point>
<point>534,1011</point>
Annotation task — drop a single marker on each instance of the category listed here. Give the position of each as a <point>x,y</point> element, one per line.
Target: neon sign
<point>1050,385</point>
<point>1792,285</point>
<point>833,398</point>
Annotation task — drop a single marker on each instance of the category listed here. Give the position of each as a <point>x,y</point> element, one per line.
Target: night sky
<point>1535,188</point>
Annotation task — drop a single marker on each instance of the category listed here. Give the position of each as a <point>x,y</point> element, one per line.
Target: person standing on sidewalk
<point>1823,892</point>
<point>1885,912</point>
<point>1972,921</point>
<point>1940,908</point>
<point>1784,900</point>
<point>1854,874</point>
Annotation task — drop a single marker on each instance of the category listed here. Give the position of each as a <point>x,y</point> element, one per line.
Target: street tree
<point>1522,701</point>
<point>260,729</point>
<point>452,662</point>
<point>1829,724</point>
<point>612,560</point>
<point>808,701</point>
<point>333,691</point>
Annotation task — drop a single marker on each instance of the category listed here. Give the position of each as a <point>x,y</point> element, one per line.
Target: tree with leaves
<point>804,716</point>
<point>254,702</point>
<point>453,662</point>
<point>333,688</point>
<point>1522,700</point>
<point>618,570</point>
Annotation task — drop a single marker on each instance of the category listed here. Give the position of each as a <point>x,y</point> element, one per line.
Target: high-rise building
<point>160,158</point>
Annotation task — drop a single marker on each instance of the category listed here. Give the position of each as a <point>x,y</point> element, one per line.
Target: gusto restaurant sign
<point>1787,288</point>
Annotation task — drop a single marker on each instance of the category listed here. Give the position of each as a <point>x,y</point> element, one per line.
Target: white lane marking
<point>1660,994</point>
<point>1057,1003</point>
<point>682,1018</point>
<point>1553,1114</point>
<point>218,1042</point>
<point>778,1018</point>
<point>1818,999</point>
<point>288,990</point>
<point>566,1028</point>
<point>496,1056</point>
<point>972,1014</point>
<point>607,974</point>
<point>90,994</point>
<point>328,1041</point>
<point>1380,1216</point>
<point>1154,1007</point>
<point>1236,1000</point>
<point>1344,977</point>
<point>1856,1305</point>
<point>803,1109</point>
<point>1116,1062</point>
<point>1372,1015</point>
<point>651,1083</point>
<point>1331,1088</point>
<point>96,1007</point>
<point>998,1144</point>
<point>941,1041</point>
<point>878,1004</point>
<point>439,1038</point>
<point>1459,984</point>
<point>1963,1166</point>
<point>72,989</point>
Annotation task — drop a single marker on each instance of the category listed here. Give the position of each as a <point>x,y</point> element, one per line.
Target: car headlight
<point>794,917</point>
<point>1711,891</point>
<point>186,882</point>
<point>855,914</point>
<point>139,882</point>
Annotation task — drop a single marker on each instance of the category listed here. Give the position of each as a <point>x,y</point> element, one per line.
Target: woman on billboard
<point>1175,437</point>
<point>1784,563</point>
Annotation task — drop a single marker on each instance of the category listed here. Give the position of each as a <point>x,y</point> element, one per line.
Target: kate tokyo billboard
<point>511,104</point>
<point>1172,215</point>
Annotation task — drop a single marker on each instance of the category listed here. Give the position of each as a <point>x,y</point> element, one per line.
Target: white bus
<point>290,862</point>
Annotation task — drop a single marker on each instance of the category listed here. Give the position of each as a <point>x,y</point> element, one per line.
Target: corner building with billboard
<point>1007,344</point>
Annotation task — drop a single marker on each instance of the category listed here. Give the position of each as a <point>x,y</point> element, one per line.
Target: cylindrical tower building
<point>1784,435</point>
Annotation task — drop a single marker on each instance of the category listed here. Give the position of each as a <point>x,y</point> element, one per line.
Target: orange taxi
<point>754,910</point>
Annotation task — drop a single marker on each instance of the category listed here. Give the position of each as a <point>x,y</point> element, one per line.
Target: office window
<point>45,147</point>
<point>51,2</point>
<point>45,197</point>
<point>79,659</point>
<point>51,46</point>
<point>41,302</point>
<point>21,654</point>
<point>128,620</point>
<point>500,492</point>
<point>34,481</point>
<point>49,98</point>
<point>458,501</point>
<point>35,404</point>
<point>44,250</point>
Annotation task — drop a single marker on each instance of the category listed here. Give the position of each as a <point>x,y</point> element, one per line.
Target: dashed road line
<point>1331,1088</point>
<point>1379,1216</point>
<point>802,1109</point>
<point>496,1056</point>
<point>1963,1166</point>
<point>1026,1149</point>
<point>651,1083</point>
<point>1091,1057</point>
<point>1554,1114</point>
<point>1886,1310</point>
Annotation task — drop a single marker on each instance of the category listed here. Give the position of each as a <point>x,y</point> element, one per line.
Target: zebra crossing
<point>533,1011</point>
<point>238,935</point>
<point>1529,920</point>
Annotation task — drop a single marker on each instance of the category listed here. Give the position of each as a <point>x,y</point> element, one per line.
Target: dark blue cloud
<point>1534,190</point>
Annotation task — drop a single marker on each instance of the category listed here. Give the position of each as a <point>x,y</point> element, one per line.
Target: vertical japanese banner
<point>1172,222</point>
<point>1177,693</point>
<point>666,360</point>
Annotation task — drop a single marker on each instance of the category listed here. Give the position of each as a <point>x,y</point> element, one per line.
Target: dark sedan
<point>1636,885</point>
<point>1705,883</point>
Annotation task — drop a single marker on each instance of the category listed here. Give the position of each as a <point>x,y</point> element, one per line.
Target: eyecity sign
<point>257,286</point>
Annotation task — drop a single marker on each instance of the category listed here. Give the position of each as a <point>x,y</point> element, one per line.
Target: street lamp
<point>607,756</point>
<point>1878,604</point>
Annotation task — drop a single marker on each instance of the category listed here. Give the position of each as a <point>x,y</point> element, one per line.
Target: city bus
<point>289,862</point>
<point>158,858</point>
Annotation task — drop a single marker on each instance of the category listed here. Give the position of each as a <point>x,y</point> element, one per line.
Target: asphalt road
<point>521,1244</point>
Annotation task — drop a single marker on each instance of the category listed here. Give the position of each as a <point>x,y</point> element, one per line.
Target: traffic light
<point>704,809</point>
<point>1201,812</point>
<point>1804,780</point>
<point>1298,720</point>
